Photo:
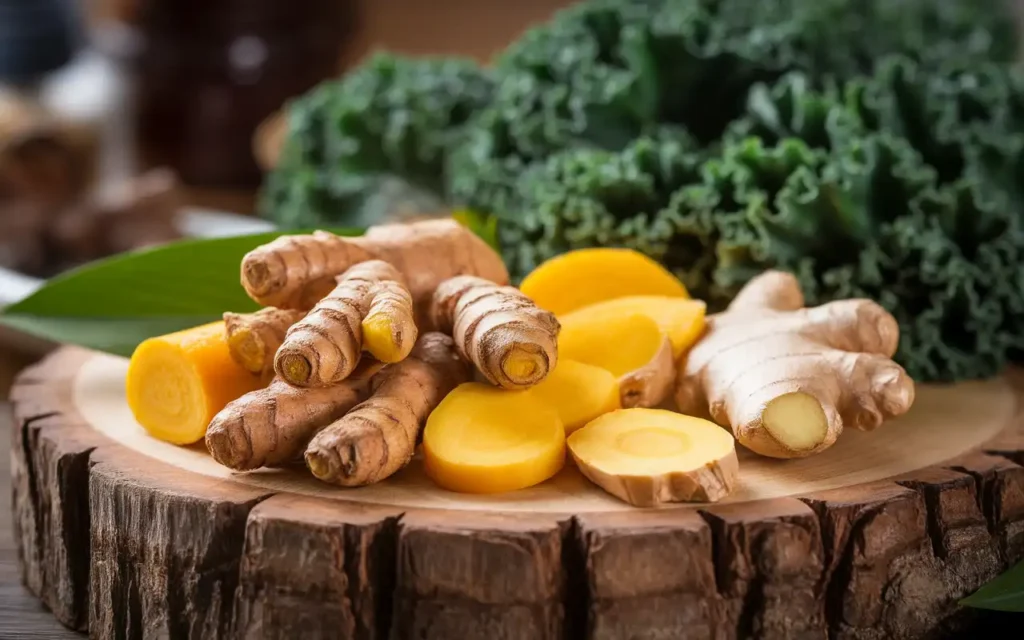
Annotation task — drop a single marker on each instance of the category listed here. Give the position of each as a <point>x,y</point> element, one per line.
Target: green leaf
<point>113,304</point>
<point>1004,593</point>
<point>483,225</point>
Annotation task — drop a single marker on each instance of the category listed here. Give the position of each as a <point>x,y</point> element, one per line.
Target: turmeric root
<point>176,383</point>
<point>481,439</point>
<point>271,426</point>
<point>325,346</point>
<point>681,319</point>
<point>512,342</point>
<point>282,272</point>
<point>648,457</point>
<point>587,276</point>
<point>254,338</point>
<point>579,392</point>
<point>379,436</point>
<point>787,379</point>
<point>631,347</point>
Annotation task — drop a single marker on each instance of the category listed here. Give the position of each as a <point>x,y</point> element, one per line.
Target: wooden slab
<point>124,536</point>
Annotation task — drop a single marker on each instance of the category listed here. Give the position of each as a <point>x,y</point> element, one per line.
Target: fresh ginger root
<point>378,437</point>
<point>631,347</point>
<point>512,342</point>
<point>254,338</point>
<point>176,383</point>
<point>325,346</point>
<point>292,270</point>
<point>584,277</point>
<point>787,379</point>
<point>681,319</point>
<point>271,426</point>
<point>579,392</point>
<point>482,439</point>
<point>648,457</point>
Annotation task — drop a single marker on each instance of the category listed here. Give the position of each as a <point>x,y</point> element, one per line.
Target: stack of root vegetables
<point>368,347</point>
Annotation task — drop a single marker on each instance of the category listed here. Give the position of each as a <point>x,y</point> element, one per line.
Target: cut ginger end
<point>587,276</point>
<point>648,457</point>
<point>617,343</point>
<point>579,392</point>
<point>481,439</point>
<point>681,319</point>
<point>176,383</point>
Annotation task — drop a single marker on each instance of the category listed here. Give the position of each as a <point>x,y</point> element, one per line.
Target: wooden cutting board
<point>877,537</point>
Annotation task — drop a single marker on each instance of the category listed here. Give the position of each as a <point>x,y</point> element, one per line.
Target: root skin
<point>762,366</point>
<point>512,342</point>
<point>294,271</point>
<point>271,426</point>
<point>326,345</point>
<point>651,384</point>
<point>378,437</point>
<point>254,338</point>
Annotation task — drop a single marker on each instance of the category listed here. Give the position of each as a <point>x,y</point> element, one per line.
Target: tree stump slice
<point>126,537</point>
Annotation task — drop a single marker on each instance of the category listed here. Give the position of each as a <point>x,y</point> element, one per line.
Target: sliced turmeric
<point>579,392</point>
<point>681,319</point>
<point>482,439</point>
<point>587,276</point>
<point>254,338</point>
<point>512,342</point>
<point>648,457</point>
<point>325,346</point>
<point>631,347</point>
<point>379,436</point>
<point>291,270</point>
<point>177,382</point>
<point>271,426</point>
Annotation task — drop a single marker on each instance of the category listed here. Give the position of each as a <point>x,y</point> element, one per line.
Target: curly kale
<point>372,141</point>
<point>875,148</point>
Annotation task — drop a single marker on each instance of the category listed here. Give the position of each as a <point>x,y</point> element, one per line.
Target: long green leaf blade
<point>1004,593</point>
<point>113,304</point>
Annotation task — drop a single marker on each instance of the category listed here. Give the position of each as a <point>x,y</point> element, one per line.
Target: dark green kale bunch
<point>376,140</point>
<point>902,187</point>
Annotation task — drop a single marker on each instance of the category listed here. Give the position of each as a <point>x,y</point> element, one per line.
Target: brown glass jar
<point>209,71</point>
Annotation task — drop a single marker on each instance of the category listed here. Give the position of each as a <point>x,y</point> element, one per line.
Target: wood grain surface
<point>128,546</point>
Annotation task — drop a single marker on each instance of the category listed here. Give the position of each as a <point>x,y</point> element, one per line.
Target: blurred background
<point>115,114</point>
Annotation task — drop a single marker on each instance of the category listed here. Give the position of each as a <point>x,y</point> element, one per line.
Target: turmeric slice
<point>512,342</point>
<point>290,271</point>
<point>648,457</point>
<point>176,383</point>
<point>325,346</point>
<point>482,439</point>
<point>632,347</point>
<point>587,276</point>
<point>254,338</point>
<point>681,319</point>
<point>271,426</point>
<point>379,436</point>
<point>579,392</point>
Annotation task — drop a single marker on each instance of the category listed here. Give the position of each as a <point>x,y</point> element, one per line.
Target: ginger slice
<point>254,338</point>
<point>512,342</point>
<point>176,383</point>
<point>324,347</point>
<point>587,276</point>
<point>787,379</point>
<point>379,436</point>
<point>681,319</point>
<point>294,271</point>
<point>649,457</point>
<point>631,347</point>
<point>579,392</point>
<point>482,439</point>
